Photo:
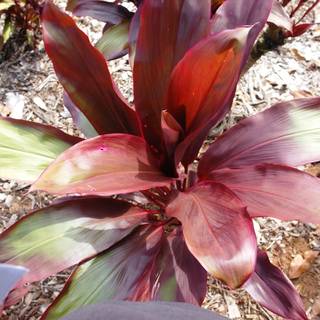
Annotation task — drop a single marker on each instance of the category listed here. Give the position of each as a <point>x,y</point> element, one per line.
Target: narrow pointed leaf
<point>75,60</point>
<point>226,245</point>
<point>205,79</point>
<point>300,29</point>
<point>117,274</point>
<point>289,134</point>
<point>101,10</point>
<point>27,148</point>
<point>114,41</point>
<point>166,32</point>
<point>202,87</point>
<point>105,165</point>
<point>79,118</point>
<point>279,17</point>
<point>273,290</point>
<point>177,274</point>
<point>237,13</point>
<point>55,238</point>
<point>274,190</point>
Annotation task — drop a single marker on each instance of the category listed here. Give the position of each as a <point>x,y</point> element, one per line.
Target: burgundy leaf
<point>272,289</point>
<point>300,29</point>
<point>166,32</point>
<point>238,13</point>
<point>204,80</point>
<point>289,133</point>
<point>83,72</point>
<point>116,274</point>
<point>79,118</point>
<point>177,275</point>
<point>101,10</point>
<point>217,230</point>
<point>202,87</point>
<point>105,165</point>
<point>274,190</point>
<point>57,237</point>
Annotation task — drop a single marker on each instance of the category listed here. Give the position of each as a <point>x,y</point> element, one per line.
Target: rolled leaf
<point>107,12</point>
<point>62,235</point>
<point>289,134</point>
<point>273,290</point>
<point>114,41</point>
<point>83,72</point>
<point>274,190</point>
<point>217,230</point>
<point>27,148</point>
<point>117,274</point>
<point>166,32</point>
<point>105,165</point>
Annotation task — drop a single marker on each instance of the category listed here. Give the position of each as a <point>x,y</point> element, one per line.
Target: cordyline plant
<point>121,25</point>
<point>138,217</point>
<point>21,22</point>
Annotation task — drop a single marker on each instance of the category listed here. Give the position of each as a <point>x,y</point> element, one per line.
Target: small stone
<point>8,200</point>
<point>3,197</point>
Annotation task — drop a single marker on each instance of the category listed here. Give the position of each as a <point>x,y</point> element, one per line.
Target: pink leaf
<point>272,289</point>
<point>288,133</point>
<point>217,230</point>
<point>274,190</point>
<point>105,165</point>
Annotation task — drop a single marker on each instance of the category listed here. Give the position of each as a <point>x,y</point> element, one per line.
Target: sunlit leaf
<point>217,230</point>
<point>27,148</point>
<point>105,165</point>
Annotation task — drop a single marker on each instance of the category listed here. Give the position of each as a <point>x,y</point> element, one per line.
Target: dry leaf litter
<point>29,90</point>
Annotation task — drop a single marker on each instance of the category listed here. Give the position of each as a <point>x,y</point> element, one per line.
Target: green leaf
<point>114,40</point>
<point>27,148</point>
<point>6,4</point>
<point>7,30</point>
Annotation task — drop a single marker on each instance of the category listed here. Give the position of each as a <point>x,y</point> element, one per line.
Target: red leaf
<point>288,134</point>
<point>64,234</point>
<point>204,80</point>
<point>237,13</point>
<point>177,275</point>
<point>79,118</point>
<point>217,230</point>
<point>202,87</point>
<point>273,190</point>
<point>105,165</point>
<point>101,10</point>
<point>166,32</point>
<point>272,289</point>
<point>116,274</point>
<point>75,60</point>
<point>300,29</point>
